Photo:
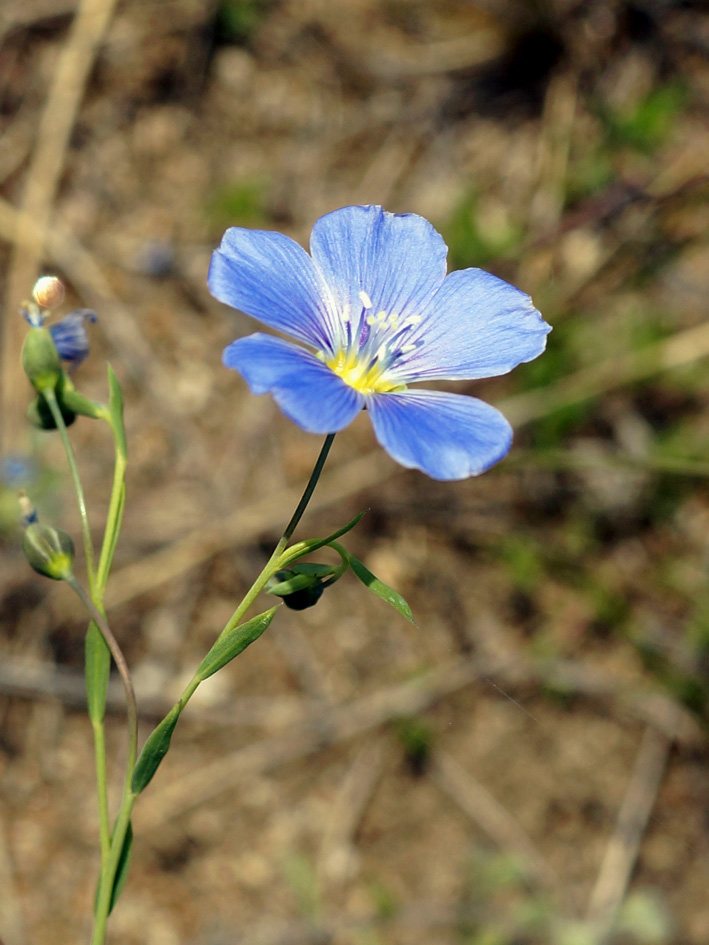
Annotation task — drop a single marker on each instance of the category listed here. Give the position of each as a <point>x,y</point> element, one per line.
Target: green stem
<point>110,866</point>
<point>51,400</point>
<point>108,872</point>
<point>102,788</point>
<point>121,665</point>
<point>113,521</point>
<point>310,488</point>
<point>274,561</point>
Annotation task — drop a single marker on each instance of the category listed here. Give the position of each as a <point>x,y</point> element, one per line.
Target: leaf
<point>231,642</point>
<point>97,658</point>
<point>119,880</point>
<point>380,588</point>
<point>122,868</point>
<point>154,750</point>
<point>307,547</point>
<point>115,526</point>
<point>297,582</point>
<point>115,409</point>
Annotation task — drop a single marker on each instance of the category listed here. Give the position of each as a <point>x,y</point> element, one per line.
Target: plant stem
<point>113,521</point>
<point>108,872</point>
<point>102,788</point>
<point>111,863</point>
<point>121,665</point>
<point>51,400</point>
<point>310,488</point>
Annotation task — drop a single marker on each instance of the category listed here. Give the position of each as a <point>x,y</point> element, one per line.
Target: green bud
<point>48,550</point>
<point>40,416</point>
<point>302,585</point>
<point>40,359</point>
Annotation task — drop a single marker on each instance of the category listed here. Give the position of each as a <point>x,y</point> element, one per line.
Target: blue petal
<point>305,389</point>
<point>476,326</point>
<point>446,436</point>
<point>399,261</point>
<point>270,277</point>
<point>70,336</point>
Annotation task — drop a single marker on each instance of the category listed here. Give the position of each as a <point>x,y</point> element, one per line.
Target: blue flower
<point>377,311</point>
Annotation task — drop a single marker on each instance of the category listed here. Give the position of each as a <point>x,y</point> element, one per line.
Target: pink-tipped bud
<point>48,292</point>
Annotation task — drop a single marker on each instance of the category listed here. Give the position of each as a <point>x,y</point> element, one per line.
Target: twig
<point>623,847</point>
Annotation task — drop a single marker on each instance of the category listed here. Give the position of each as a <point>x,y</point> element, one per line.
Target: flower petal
<point>304,388</point>
<point>397,260</point>
<point>270,277</point>
<point>70,336</point>
<point>476,326</point>
<point>446,436</point>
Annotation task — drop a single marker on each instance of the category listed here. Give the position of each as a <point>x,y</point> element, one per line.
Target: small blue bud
<point>71,338</point>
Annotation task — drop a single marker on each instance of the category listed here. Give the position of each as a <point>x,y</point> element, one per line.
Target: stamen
<point>366,301</point>
<point>346,314</point>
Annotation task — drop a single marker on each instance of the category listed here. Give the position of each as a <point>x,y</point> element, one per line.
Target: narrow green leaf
<point>114,525</point>
<point>154,750</point>
<point>380,588</point>
<point>123,866</point>
<point>115,408</point>
<point>231,642</point>
<point>121,876</point>
<point>97,659</point>
<point>295,583</point>
<point>307,547</point>
<point>316,570</point>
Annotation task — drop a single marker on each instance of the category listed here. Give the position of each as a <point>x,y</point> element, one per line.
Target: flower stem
<point>111,863</point>
<point>310,488</point>
<point>108,872</point>
<point>51,400</point>
<point>121,665</point>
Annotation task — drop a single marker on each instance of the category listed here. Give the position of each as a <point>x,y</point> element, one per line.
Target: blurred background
<point>529,764</point>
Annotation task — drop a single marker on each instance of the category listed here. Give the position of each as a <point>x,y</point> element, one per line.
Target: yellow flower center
<point>371,349</point>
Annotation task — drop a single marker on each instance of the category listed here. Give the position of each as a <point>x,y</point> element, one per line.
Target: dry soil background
<point>529,764</point>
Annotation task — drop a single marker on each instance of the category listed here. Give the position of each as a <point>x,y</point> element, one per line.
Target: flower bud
<point>48,550</point>
<point>302,585</point>
<point>71,338</point>
<point>48,292</point>
<point>40,359</point>
<point>40,416</point>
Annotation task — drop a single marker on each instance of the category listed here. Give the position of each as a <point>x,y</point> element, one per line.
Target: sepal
<point>48,550</point>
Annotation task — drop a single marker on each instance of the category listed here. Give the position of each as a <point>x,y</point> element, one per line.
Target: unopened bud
<point>48,292</point>
<point>49,551</point>
<point>40,360</point>
<point>302,585</point>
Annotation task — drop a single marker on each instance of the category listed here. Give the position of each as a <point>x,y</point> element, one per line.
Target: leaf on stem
<point>306,547</point>
<point>115,409</point>
<point>122,869</point>
<point>380,588</point>
<point>154,750</point>
<point>98,664</point>
<point>231,642</point>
